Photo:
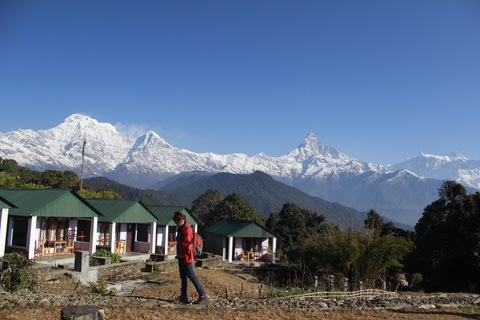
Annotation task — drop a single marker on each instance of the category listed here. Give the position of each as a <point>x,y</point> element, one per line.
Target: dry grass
<point>215,283</point>
<point>201,313</point>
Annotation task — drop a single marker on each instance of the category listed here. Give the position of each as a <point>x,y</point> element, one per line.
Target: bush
<point>417,280</point>
<point>101,287</point>
<point>16,275</point>
<point>114,258</point>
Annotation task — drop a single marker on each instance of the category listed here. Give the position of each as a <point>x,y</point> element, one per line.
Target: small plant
<point>156,268</point>
<point>417,280</point>
<point>102,287</point>
<point>114,258</point>
<point>16,275</point>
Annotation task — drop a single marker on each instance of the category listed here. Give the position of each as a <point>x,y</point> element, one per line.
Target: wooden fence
<point>365,293</point>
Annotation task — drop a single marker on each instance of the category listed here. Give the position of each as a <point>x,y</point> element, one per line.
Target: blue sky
<point>380,81</point>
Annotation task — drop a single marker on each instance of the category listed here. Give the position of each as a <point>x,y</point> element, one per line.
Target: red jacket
<point>183,243</point>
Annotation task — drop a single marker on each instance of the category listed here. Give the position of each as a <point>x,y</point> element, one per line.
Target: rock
<point>88,312</point>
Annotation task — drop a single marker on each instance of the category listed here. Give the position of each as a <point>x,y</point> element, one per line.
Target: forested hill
<point>152,197</point>
<point>261,191</point>
<point>266,194</point>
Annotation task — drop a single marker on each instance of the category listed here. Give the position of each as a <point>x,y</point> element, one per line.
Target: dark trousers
<point>186,272</point>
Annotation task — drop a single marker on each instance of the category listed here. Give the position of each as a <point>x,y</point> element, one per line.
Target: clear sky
<point>378,80</point>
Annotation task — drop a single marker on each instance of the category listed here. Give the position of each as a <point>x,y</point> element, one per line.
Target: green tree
<point>448,241</point>
<point>7,181</point>
<point>25,175</point>
<point>237,207</point>
<point>52,178</point>
<point>294,225</point>
<point>373,221</point>
<point>101,193</point>
<point>69,179</point>
<point>10,166</point>
<point>333,250</point>
<point>203,207</point>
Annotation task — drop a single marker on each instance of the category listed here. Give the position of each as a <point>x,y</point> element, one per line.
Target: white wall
<point>238,244</point>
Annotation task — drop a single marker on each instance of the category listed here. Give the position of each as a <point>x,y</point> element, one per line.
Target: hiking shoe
<point>180,299</point>
<point>202,299</point>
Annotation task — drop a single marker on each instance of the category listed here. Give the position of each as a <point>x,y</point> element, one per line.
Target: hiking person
<point>186,259</point>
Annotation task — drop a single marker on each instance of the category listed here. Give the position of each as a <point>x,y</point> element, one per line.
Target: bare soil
<point>217,283</point>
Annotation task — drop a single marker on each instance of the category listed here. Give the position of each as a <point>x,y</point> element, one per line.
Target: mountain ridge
<point>312,167</point>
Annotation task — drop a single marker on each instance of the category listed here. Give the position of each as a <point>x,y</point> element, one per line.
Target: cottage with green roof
<point>128,220</point>
<point>167,228</point>
<point>45,215</point>
<point>235,239</point>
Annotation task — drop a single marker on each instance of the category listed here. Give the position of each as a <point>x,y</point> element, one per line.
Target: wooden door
<point>130,245</point>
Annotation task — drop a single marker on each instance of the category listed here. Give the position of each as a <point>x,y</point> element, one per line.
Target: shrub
<point>114,258</point>
<point>102,287</point>
<point>16,275</point>
<point>417,280</point>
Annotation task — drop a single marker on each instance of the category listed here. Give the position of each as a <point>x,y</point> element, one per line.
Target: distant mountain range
<point>261,191</point>
<point>398,192</point>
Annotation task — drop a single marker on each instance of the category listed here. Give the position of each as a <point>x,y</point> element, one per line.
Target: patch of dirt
<point>201,313</point>
<point>217,283</point>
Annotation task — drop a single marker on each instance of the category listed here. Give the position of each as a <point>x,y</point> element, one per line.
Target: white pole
<point>3,230</point>
<point>230,248</point>
<point>153,237</point>
<point>93,235</point>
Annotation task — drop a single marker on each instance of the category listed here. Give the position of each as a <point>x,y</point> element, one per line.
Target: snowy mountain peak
<point>313,167</point>
<point>312,147</point>
<point>452,167</point>
<point>79,125</point>
<point>151,139</point>
<point>457,156</point>
<point>311,143</point>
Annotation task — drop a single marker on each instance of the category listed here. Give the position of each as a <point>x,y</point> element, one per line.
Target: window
<point>53,229</point>
<point>104,239</point>
<point>142,232</point>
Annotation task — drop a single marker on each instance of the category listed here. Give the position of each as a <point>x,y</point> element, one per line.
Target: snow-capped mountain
<point>399,193</point>
<point>452,167</point>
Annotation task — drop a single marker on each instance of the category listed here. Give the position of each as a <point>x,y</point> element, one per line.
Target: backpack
<point>197,242</point>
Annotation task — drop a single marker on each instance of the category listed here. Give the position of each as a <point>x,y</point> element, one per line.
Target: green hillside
<point>261,191</point>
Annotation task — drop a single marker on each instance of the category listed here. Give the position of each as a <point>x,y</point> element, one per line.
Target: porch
<point>69,261</point>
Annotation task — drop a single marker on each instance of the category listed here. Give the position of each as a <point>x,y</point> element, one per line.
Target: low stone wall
<point>206,260</point>
<point>162,266</point>
<point>120,271</point>
<point>101,261</point>
<point>43,272</point>
<point>210,262</point>
<point>25,298</point>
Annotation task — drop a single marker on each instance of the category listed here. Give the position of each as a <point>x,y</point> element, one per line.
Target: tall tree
<point>237,207</point>
<point>210,207</point>
<point>448,241</point>
<point>11,167</point>
<point>52,178</point>
<point>69,179</point>
<point>294,225</point>
<point>204,205</point>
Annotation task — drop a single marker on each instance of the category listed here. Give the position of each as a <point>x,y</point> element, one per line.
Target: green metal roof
<point>49,203</point>
<point>165,214</point>
<point>240,228</point>
<point>123,211</point>
<point>5,204</point>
